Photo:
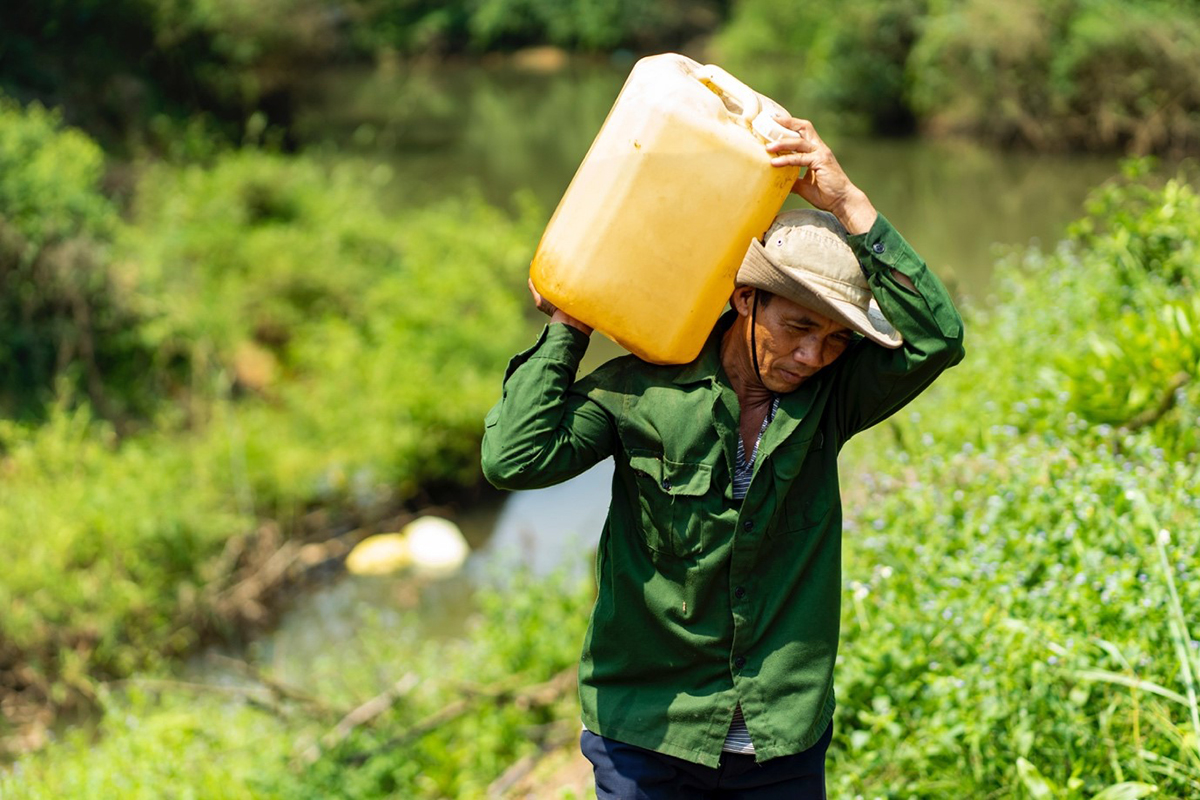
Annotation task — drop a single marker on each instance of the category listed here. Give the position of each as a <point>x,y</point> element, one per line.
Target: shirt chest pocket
<point>673,499</point>
<point>806,481</point>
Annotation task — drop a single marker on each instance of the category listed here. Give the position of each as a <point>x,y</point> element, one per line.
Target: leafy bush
<point>105,544</point>
<point>51,187</point>
<point>65,313</point>
<point>1097,75</point>
<point>985,67</point>
<point>480,25</point>
<point>1048,74</point>
<point>1118,349</point>
<point>279,277</point>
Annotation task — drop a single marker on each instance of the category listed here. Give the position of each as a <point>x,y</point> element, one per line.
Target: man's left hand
<point>824,183</point>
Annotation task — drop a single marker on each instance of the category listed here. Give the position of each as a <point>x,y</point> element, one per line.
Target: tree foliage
<point>1047,74</point>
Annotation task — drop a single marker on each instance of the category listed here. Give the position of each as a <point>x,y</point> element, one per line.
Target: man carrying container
<point>707,668</point>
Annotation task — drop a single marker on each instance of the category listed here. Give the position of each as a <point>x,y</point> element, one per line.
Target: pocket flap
<point>788,460</point>
<point>686,479</point>
<point>647,466</point>
<point>673,477</point>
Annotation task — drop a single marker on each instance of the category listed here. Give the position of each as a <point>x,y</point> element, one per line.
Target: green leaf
<point>1106,676</point>
<point>1037,785</point>
<point>1130,790</point>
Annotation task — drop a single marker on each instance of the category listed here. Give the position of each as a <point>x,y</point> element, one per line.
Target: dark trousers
<point>626,772</point>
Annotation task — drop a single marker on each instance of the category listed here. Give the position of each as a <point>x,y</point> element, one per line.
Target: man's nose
<point>812,353</point>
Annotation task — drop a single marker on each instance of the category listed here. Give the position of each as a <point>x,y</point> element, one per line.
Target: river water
<point>499,131</point>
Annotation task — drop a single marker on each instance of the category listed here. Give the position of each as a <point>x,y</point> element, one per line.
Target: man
<point>707,669</point>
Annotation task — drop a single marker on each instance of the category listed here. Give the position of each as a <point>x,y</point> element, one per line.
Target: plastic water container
<point>647,240</point>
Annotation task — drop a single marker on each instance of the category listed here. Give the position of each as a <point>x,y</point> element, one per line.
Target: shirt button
<point>748,525</point>
<point>739,662</point>
<point>878,247</point>
<point>739,592</point>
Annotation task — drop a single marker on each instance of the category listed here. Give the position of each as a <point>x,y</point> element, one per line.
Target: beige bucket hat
<point>806,258</point>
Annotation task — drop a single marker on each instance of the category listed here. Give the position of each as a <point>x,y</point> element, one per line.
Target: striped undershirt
<point>738,738</point>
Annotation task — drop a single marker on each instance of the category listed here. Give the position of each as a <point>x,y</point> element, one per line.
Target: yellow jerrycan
<point>647,240</point>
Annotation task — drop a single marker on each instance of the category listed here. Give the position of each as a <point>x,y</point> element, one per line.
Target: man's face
<point>794,342</point>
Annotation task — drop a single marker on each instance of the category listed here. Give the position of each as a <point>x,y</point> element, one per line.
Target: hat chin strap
<point>754,340</point>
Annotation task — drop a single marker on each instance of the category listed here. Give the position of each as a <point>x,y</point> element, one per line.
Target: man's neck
<point>739,367</point>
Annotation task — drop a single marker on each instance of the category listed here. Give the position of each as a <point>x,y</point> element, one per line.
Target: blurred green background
<point>262,263</point>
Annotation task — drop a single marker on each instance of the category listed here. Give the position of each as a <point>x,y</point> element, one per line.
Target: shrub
<point>1097,75</point>
<point>65,310</point>
<point>984,68</point>
<point>482,25</point>
<point>142,74</point>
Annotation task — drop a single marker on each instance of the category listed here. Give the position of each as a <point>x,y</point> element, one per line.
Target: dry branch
<point>251,694</point>
<point>537,695</point>
<point>362,715</point>
<point>277,687</point>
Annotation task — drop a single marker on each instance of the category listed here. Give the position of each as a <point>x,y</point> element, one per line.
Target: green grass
<point>159,740</point>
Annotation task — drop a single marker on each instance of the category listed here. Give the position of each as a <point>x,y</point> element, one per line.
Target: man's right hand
<point>556,315</point>
<point>824,184</point>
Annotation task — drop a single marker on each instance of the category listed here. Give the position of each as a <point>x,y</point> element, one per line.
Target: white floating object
<point>379,555</point>
<point>431,546</point>
<point>435,545</point>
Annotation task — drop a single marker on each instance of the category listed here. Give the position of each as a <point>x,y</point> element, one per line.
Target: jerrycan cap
<point>765,126</point>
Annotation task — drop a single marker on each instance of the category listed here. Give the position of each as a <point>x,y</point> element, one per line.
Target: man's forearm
<point>856,212</point>
<point>539,433</point>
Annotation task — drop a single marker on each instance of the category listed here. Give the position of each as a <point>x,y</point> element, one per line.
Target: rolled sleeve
<point>540,433</point>
<point>881,251</point>
<point>562,344</point>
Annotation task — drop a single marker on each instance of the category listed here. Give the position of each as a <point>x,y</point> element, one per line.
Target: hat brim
<point>759,271</point>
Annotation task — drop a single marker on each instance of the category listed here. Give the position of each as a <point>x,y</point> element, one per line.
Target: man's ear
<point>741,299</point>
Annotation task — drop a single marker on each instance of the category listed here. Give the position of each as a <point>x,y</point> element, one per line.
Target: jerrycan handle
<point>739,99</point>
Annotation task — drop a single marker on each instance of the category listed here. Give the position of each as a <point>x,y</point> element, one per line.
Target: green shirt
<point>705,602</point>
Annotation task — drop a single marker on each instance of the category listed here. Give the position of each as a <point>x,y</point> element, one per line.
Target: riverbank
<point>260,360</point>
<point>1101,76</point>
